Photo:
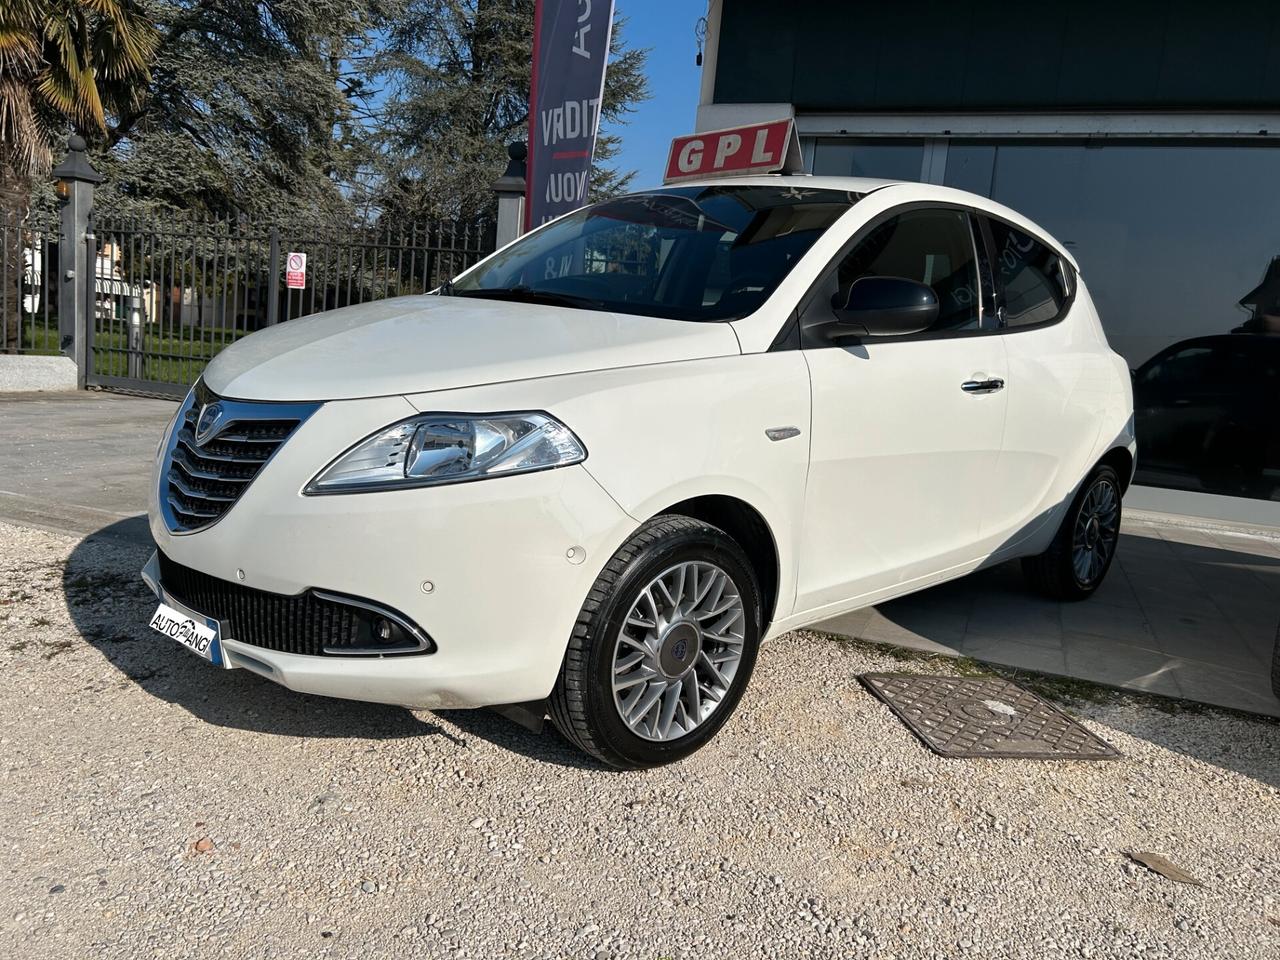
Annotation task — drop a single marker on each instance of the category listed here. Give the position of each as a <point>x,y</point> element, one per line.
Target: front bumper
<point>494,571</point>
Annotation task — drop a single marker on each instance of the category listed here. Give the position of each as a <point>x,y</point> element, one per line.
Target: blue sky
<point>666,28</point>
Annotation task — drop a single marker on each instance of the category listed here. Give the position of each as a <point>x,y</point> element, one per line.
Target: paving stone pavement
<point>1184,612</point>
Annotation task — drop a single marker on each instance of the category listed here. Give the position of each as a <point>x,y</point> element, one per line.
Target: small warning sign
<point>295,271</point>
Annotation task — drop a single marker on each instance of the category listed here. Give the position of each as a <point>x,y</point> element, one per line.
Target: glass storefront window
<point>885,159</point>
<point>970,166</point>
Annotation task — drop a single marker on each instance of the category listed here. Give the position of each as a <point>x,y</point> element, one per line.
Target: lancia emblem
<point>208,422</point>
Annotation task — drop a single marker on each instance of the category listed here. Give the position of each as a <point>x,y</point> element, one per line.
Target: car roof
<point>920,191</point>
<point>846,184</point>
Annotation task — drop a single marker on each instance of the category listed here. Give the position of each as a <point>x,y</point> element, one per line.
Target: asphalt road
<point>79,462</point>
<point>156,807</point>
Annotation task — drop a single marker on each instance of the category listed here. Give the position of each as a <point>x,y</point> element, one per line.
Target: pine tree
<point>458,78</point>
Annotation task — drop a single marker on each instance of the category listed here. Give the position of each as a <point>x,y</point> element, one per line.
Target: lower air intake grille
<point>311,623</point>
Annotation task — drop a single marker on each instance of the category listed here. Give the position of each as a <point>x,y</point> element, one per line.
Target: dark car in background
<point>1208,415</point>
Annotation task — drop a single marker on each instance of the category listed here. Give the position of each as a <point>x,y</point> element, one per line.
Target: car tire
<point>674,646</point>
<point>1078,558</point>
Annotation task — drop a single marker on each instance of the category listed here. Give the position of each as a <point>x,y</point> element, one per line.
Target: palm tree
<point>66,64</point>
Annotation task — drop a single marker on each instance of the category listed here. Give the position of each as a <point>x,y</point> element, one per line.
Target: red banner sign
<point>757,148</point>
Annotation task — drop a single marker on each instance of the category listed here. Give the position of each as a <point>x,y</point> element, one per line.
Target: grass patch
<point>167,358</point>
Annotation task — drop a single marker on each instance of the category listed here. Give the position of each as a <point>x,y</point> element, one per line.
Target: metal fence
<point>166,298</point>
<point>28,281</point>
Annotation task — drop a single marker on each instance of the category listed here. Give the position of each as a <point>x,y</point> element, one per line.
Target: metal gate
<point>28,287</point>
<point>166,298</point>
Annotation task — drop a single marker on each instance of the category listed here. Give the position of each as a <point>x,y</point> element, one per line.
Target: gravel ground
<point>154,807</point>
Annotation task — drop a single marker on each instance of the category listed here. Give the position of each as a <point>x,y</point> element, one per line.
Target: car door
<point>905,430</point>
<point>1059,378</point>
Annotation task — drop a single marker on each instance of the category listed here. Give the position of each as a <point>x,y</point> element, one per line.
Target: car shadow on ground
<point>110,607</point>
<point>545,747</point>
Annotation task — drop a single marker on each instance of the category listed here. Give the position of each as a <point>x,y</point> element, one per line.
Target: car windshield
<point>686,253</point>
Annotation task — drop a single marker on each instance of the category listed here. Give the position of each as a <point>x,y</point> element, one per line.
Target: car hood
<point>425,343</point>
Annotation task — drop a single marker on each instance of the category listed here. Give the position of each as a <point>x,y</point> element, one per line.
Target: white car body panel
<point>878,444</point>
<point>896,480</point>
<point>1064,375</point>
<point>410,344</point>
<point>677,448</point>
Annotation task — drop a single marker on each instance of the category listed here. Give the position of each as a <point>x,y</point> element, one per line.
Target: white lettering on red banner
<point>757,148</point>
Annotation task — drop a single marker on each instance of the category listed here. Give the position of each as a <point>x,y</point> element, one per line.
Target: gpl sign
<point>295,271</point>
<point>757,148</point>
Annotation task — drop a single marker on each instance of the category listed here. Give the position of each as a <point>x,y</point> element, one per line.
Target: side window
<point>934,247</point>
<point>1032,279</point>
<point>1176,372</point>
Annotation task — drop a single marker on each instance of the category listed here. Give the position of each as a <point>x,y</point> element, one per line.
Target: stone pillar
<point>76,179</point>
<point>510,188</point>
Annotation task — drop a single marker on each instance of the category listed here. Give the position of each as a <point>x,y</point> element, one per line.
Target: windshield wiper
<point>527,294</point>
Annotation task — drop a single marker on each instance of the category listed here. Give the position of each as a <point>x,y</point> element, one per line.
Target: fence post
<point>510,189</point>
<point>135,337</point>
<point>75,182</point>
<point>273,283</point>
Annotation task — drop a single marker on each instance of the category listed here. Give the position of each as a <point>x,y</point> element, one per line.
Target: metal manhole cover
<point>984,717</point>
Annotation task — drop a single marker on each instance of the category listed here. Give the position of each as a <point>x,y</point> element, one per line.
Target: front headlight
<point>437,448</point>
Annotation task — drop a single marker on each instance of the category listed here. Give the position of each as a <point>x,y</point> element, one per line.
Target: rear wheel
<point>663,648</point>
<point>1084,546</point>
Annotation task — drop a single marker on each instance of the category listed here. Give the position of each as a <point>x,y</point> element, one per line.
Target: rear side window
<point>1032,278</point>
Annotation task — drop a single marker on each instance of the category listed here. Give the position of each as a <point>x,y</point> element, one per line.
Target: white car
<point>591,475</point>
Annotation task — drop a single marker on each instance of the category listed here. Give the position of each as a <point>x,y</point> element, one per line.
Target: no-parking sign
<point>295,271</point>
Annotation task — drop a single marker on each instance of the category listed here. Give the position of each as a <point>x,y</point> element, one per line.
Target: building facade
<point>1143,135</point>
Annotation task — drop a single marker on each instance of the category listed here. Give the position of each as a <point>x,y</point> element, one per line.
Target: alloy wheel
<point>1097,528</point>
<point>678,650</point>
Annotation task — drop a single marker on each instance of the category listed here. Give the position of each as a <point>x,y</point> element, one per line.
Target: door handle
<point>990,385</point>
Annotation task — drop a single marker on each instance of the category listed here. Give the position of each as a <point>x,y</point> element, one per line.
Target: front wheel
<point>663,647</point>
<point>1084,546</point>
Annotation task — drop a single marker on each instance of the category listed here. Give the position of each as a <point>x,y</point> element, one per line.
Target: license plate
<point>193,633</point>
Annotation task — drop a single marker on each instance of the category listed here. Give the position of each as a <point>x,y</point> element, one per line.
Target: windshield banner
<point>570,50</point>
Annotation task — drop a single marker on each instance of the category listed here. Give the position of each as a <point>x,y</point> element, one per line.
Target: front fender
<point>662,433</point>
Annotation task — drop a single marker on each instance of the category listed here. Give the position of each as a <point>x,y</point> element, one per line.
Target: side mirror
<point>887,306</point>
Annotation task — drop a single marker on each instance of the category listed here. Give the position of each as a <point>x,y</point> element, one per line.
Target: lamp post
<point>76,179</point>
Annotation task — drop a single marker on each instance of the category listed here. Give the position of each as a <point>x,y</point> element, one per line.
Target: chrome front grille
<point>216,449</point>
